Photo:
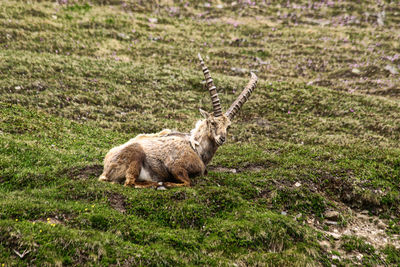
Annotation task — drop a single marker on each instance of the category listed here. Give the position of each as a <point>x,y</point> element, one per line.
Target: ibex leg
<point>132,174</point>
<point>181,175</point>
<point>145,184</point>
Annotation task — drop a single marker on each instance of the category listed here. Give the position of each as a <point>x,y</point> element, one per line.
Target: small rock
<point>239,70</point>
<point>153,20</point>
<point>363,217</point>
<point>161,188</point>
<point>156,38</point>
<point>359,256</point>
<point>123,36</point>
<point>347,232</point>
<point>381,225</point>
<point>261,62</point>
<point>284,213</point>
<point>233,170</point>
<point>356,71</point>
<point>325,244</point>
<point>17,87</point>
<point>297,184</point>
<point>324,22</point>
<point>335,236</point>
<point>381,18</point>
<point>332,215</point>
<point>391,69</point>
<point>335,257</point>
<point>331,223</point>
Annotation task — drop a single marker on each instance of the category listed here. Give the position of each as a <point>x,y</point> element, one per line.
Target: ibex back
<point>170,158</point>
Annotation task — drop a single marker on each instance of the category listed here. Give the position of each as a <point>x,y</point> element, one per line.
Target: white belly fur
<point>144,175</point>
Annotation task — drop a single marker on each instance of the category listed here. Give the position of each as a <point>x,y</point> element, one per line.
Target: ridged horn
<point>211,88</point>
<point>243,97</point>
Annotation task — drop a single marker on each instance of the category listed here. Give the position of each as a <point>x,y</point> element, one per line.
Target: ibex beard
<point>169,158</point>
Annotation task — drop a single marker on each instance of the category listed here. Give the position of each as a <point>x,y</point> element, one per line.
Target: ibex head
<point>218,123</point>
<point>216,126</point>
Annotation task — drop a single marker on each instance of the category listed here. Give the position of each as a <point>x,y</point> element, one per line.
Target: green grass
<point>81,77</point>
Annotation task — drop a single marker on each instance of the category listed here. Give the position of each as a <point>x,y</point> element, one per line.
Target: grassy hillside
<point>310,175</point>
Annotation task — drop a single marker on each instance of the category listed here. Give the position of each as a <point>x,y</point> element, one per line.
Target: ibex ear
<point>204,113</point>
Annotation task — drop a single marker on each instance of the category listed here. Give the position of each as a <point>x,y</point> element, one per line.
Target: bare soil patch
<point>83,173</point>
<point>369,228</point>
<point>55,219</point>
<point>117,201</point>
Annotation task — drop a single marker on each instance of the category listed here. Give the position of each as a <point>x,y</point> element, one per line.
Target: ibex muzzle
<point>170,158</point>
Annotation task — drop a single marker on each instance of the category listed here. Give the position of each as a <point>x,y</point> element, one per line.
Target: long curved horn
<point>243,97</point>
<point>211,87</point>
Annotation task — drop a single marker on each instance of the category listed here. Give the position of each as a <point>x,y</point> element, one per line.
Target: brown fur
<point>168,158</point>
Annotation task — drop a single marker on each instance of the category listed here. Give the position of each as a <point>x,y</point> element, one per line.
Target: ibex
<point>168,158</point>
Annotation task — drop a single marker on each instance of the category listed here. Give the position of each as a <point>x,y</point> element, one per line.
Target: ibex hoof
<point>103,178</point>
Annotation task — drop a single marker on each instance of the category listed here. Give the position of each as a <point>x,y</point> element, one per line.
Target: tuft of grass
<point>393,254</point>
